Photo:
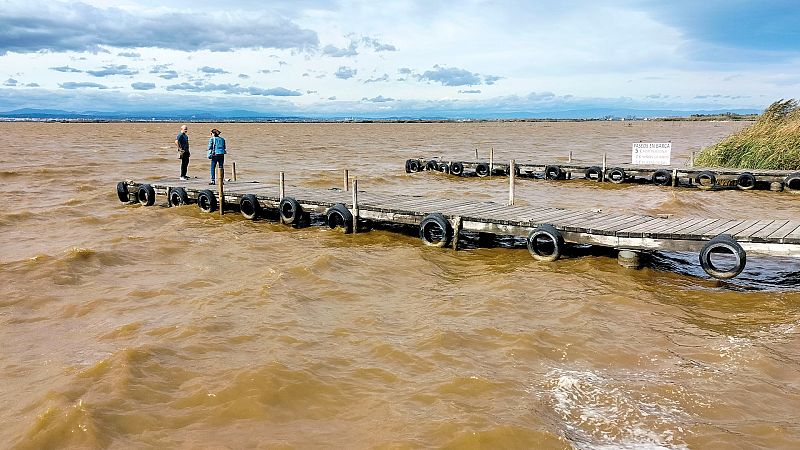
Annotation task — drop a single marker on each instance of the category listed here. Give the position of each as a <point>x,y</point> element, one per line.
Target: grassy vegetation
<point>772,142</point>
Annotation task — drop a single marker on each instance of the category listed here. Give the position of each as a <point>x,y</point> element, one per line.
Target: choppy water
<point>123,326</point>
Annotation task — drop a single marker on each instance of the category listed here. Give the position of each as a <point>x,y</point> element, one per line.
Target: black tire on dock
<point>206,201</point>
<point>594,173</point>
<point>408,166</point>
<point>545,243</point>
<point>338,216</point>
<point>724,243</point>
<point>122,192</point>
<point>290,210</point>
<point>457,168</point>
<point>661,177</point>
<point>414,166</point>
<point>444,167</point>
<point>435,230</point>
<point>177,196</point>
<point>746,181</point>
<point>517,171</point>
<point>432,165</point>
<point>482,169</point>
<point>553,172</point>
<point>706,179</point>
<point>792,182</point>
<point>250,207</point>
<point>616,175</point>
<point>146,195</point>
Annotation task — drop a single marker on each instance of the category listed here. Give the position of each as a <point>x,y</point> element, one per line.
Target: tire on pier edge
<point>177,196</point>
<point>617,175</point>
<point>338,216</point>
<point>444,167</point>
<point>594,173</point>
<point>746,181</point>
<point>792,182</point>
<point>553,172</point>
<point>414,166</point>
<point>545,243</point>
<point>250,207</point>
<point>290,210</point>
<point>457,169</point>
<point>482,170</point>
<point>724,243</point>
<point>146,195</point>
<point>661,177</point>
<point>706,180</point>
<point>206,201</point>
<point>122,192</point>
<point>435,230</point>
<point>432,165</point>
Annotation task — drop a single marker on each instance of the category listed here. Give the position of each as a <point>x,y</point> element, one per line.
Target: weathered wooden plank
<point>762,234</point>
<point>689,232</point>
<point>712,229</point>
<point>639,229</point>
<point>749,231</point>
<point>741,226</point>
<point>783,231</point>
<point>793,237</point>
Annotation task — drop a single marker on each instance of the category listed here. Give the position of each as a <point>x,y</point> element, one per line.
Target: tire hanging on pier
<point>616,175</point>
<point>724,243</point>
<point>706,180</point>
<point>146,195</point>
<point>338,216</point>
<point>792,182</point>
<point>408,166</point>
<point>414,166</point>
<point>517,171</point>
<point>435,230</point>
<point>746,181</point>
<point>432,165</point>
<point>206,201</point>
<point>250,207</point>
<point>553,172</point>
<point>290,210</point>
<point>122,192</point>
<point>545,243</point>
<point>444,167</point>
<point>661,177</point>
<point>457,168</point>
<point>594,173</point>
<point>177,196</point>
<point>482,169</point>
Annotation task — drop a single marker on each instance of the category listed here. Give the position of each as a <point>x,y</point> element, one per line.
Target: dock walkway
<point>440,221</point>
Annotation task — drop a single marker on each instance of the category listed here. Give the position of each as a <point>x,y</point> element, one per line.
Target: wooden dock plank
<point>763,234</point>
<point>785,230</point>
<point>749,231</point>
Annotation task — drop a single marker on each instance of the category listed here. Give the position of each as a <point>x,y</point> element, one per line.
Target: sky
<point>370,58</point>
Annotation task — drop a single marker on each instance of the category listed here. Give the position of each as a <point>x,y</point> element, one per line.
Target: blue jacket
<point>217,144</point>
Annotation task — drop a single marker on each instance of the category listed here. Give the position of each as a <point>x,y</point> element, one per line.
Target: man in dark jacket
<point>182,143</point>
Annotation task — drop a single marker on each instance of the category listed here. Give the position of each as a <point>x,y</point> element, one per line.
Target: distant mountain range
<point>244,115</point>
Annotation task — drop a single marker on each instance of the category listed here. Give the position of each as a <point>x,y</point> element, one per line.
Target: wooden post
<point>691,160</point>
<point>346,179</point>
<point>674,177</point>
<point>221,182</point>
<point>476,154</point>
<point>512,172</point>
<point>491,160</point>
<point>355,206</point>
<point>569,160</point>
<point>456,231</point>
<point>603,175</point>
<point>234,170</point>
<point>281,187</point>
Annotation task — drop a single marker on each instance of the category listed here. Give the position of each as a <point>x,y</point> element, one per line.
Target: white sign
<point>651,153</point>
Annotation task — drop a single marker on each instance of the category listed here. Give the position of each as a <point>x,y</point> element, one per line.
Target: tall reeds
<point>771,142</point>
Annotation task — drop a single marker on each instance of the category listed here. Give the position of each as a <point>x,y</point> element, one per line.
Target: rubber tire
<point>432,165</point>
<point>177,196</point>
<point>662,177</point>
<point>550,232</point>
<point>594,170</point>
<point>711,176</point>
<point>408,166</point>
<point>457,169</point>
<point>517,171</point>
<point>444,167</point>
<point>146,195</point>
<point>206,201</point>
<point>250,207</point>
<point>414,166</point>
<point>338,216</point>
<point>792,182</point>
<point>290,210</point>
<point>725,241</point>
<point>746,181</point>
<point>620,175</point>
<point>435,220</point>
<point>553,172</point>
<point>122,192</point>
<point>482,170</point>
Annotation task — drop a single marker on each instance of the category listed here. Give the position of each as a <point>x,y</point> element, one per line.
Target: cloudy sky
<point>380,58</point>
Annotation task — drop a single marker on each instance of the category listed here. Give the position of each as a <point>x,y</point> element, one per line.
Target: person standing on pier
<point>182,143</point>
<point>216,152</point>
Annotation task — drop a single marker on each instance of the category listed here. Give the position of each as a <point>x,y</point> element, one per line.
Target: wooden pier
<point>547,230</point>
<point>699,177</point>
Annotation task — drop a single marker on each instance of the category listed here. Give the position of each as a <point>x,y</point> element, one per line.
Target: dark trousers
<point>218,159</point>
<point>184,163</point>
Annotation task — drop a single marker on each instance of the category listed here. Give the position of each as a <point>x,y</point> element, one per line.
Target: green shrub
<point>771,142</point>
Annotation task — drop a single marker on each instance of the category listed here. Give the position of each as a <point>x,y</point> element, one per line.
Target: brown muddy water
<point>123,326</point>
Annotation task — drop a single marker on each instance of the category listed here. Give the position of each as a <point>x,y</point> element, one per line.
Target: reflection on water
<point>126,326</point>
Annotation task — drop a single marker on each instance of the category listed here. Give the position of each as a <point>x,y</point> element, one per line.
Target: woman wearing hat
<point>216,152</point>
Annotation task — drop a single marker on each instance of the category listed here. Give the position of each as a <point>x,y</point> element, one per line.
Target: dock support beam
<point>603,175</point>
<point>346,179</point>
<point>355,206</point>
<point>234,170</point>
<point>491,161</point>
<point>629,259</point>
<point>221,182</point>
<point>512,169</point>
<point>457,224</point>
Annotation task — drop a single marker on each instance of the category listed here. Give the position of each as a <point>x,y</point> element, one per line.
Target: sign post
<point>651,153</point>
